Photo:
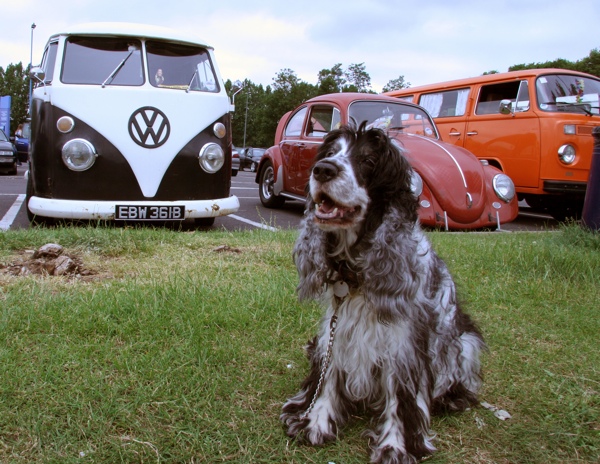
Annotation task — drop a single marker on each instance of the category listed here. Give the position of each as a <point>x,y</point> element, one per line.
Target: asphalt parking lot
<point>251,214</point>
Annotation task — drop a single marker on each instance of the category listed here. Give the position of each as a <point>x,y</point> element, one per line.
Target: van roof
<point>132,30</point>
<point>487,79</point>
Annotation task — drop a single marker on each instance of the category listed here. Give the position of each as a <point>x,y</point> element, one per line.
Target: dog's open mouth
<point>327,210</point>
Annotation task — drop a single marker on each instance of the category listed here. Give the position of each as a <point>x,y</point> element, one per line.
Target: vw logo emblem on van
<point>149,127</point>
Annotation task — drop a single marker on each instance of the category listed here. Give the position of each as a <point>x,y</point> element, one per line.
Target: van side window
<point>322,121</point>
<point>102,61</point>
<point>491,96</point>
<point>445,104</point>
<point>48,61</point>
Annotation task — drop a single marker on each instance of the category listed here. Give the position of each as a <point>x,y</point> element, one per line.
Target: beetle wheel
<point>265,187</point>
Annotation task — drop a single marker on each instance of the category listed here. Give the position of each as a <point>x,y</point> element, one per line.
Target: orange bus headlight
<point>566,154</point>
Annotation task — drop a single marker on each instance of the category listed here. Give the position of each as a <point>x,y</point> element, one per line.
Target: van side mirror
<point>505,107</point>
<point>38,74</point>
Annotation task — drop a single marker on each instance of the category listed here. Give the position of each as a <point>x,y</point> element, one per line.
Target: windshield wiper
<point>585,107</point>
<point>191,80</point>
<point>112,75</point>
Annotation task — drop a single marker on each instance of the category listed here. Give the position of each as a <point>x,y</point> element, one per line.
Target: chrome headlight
<point>504,187</point>
<point>211,158</point>
<point>79,154</point>
<point>416,184</point>
<point>566,154</point>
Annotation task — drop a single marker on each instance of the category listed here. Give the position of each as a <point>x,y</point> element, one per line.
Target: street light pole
<point>246,119</point>
<point>30,63</point>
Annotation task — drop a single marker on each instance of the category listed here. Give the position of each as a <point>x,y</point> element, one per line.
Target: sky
<point>426,41</point>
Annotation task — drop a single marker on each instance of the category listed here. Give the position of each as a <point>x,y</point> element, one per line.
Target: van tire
<point>561,208</point>
<point>204,222</point>
<point>34,219</point>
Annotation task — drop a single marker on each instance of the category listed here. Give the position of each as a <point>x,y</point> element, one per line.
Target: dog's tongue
<point>327,206</point>
<point>327,209</point>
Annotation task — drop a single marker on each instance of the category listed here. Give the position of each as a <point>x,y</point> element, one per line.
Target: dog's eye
<point>367,162</point>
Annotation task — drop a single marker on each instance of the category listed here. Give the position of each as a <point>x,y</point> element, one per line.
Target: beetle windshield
<point>393,116</point>
<point>102,60</point>
<point>568,93</point>
<point>177,66</point>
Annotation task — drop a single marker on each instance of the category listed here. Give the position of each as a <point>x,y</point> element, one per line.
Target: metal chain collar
<point>326,360</point>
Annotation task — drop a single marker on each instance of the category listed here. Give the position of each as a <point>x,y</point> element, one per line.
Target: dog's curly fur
<point>403,347</point>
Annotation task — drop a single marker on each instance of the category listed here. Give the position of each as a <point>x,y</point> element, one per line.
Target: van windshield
<point>178,66</point>
<point>568,93</point>
<point>118,61</point>
<point>393,116</point>
<point>102,60</point>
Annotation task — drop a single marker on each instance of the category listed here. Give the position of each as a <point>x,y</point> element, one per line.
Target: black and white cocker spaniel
<point>394,342</point>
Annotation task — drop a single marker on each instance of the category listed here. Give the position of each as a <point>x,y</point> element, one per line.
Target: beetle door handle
<point>472,133</point>
<point>454,134</point>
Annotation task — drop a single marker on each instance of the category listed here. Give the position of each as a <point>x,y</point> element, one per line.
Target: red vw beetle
<point>455,189</point>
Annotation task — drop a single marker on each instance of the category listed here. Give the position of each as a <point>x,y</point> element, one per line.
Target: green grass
<point>175,353</point>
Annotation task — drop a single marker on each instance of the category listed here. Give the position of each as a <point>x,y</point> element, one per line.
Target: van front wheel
<point>204,222</point>
<point>561,208</point>
<point>34,219</point>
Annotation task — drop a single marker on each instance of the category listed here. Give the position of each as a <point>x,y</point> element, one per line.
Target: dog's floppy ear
<point>393,173</point>
<point>393,214</point>
<point>310,257</point>
<point>388,268</point>
<point>390,181</point>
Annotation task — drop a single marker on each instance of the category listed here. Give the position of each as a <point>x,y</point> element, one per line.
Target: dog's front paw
<point>304,431</point>
<point>294,425</point>
<point>391,455</point>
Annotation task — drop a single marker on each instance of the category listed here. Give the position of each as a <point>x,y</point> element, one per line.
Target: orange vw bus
<point>535,125</point>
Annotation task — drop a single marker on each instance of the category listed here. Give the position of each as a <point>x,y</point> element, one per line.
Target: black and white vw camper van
<point>129,122</point>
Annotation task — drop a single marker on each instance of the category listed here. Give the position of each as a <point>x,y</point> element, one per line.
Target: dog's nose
<point>325,170</point>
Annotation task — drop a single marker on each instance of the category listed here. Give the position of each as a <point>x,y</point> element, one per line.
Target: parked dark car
<point>252,158</point>
<point>455,189</point>
<point>235,160</point>
<point>8,155</point>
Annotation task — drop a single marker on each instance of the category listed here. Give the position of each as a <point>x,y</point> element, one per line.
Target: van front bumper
<point>564,186</point>
<point>105,210</point>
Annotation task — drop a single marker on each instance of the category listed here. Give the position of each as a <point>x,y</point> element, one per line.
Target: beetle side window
<point>445,104</point>
<point>177,66</point>
<point>102,61</point>
<point>491,96</point>
<point>294,126</point>
<point>323,119</point>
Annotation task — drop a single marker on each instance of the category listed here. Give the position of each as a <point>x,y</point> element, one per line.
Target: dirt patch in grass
<point>49,260</point>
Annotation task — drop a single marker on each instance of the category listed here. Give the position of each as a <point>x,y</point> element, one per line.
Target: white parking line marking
<point>252,223</point>
<point>11,214</point>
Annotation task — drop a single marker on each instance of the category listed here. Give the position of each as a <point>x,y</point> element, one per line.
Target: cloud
<point>423,41</point>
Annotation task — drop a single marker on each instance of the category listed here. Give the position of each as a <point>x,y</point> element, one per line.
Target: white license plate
<point>149,213</point>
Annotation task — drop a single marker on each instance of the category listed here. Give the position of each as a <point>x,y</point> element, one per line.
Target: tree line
<point>259,108</point>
